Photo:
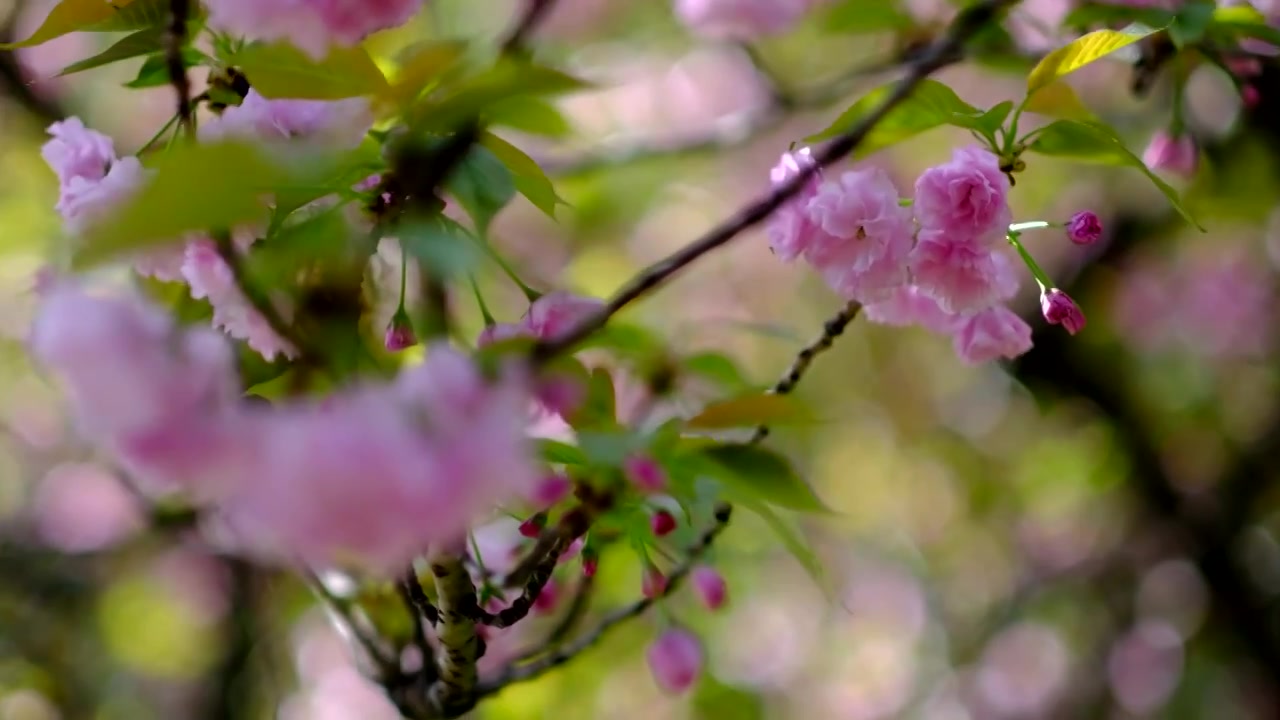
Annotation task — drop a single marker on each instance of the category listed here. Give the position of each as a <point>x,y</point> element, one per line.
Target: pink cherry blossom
<point>1084,228</point>
<point>675,660</point>
<point>962,275</point>
<point>740,19</point>
<point>967,196</point>
<point>990,334</point>
<point>339,123</point>
<point>210,278</point>
<point>399,335</point>
<point>159,397</point>
<point>1178,155</point>
<point>710,586</point>
<point>77,152</point>
<point>645,473</point>
<point>908,305</point>
<point>554,314</point>
<point>84,202</point>
<point>550,490</point>
<point>313,26</point>
<point>864,234</point>
<point>1059,309</point>
<point>789,228</point>
<point>547,599</point>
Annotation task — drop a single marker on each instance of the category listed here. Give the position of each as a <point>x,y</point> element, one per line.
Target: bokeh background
<point>1087,532</point>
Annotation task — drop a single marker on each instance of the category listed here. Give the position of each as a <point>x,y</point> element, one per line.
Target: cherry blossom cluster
<point>938,261</point>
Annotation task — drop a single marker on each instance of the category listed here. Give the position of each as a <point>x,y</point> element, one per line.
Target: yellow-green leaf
<point>529,179</point>
<point>748,410</point>
<point>279,70</point>
<point>931,105</point>
<point>1095,143</point>
<point>1077,54</point>
<point>508,78</point>
<point>143,42</point>
<point>193,187</point>
<point>758,472</point>
<point>70,16</point>
<point>1059,100</point>
<point>422,66</point>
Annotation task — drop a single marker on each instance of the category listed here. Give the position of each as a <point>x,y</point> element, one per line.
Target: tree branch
<point>535,11</point>
<point>460,647</point>
<point>940,54</point>
<point>175,38</point>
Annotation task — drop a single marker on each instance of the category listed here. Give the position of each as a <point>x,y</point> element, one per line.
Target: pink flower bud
<point>645,473</point>
<point>1244,66</point>
<point>1084,228</point>
<point>1249,96</point>
<point>590,564</point>
<point>1175,154</point>
<point>572,551</point>
<point>654,583</point>
<point>675,659</point>
<point>662,523</point>
<point>551,490</point>
<point>546,600</point>
<point>399,334</point>
<point>532,527</point>
<point>1059,309</point>
<point>710,586</point>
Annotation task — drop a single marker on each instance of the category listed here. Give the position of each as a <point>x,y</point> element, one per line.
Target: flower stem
<point>1040,275</point>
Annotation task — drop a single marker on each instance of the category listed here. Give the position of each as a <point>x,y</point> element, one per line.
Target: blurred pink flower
<point>652,582</point>
<point>961,274</point>
<point>790,228</point>
<point>399,335</point>
<point>965,197</point>
<point>1059,309</point>
<point>740,19</point>
<point>991,334</point>
<point>339,123</point>
<point>499,332</point>
<point>210,278</point>
<point>710,586</point>
<point>908,305</point>
<point>550,490</point>
<point>675,660</point>
<point>77,152</point>
<point>313,26</point>
<point>645,473</point>
<point>1178,155</point>
<point>83,508</point>
<point>83,202</point>
<point>554,314</point>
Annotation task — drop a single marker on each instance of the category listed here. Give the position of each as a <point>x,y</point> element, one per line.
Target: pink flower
<point>645,473</point>
<point>675,660</point>
<point>1084,228</point>
<point>1177,155</point>
<point>399,335</point>
<point>547,598</point>
<point>710,586</point>
<point>339,123</point>
<point>965,197</point>
<point>1250,96</point>
<point>499,332</point>
<point>551,490</point>
<point>993,333</point>
<point>556,313</point>
<point>789,228</point>
<point>77,152</point>
<point>962,275</point>
<point>908,305</point>
<point>590,565</point>
<point>84,202</point>
<point>865,235</point>
<point>164,263</point>
<point>662,523</point>
<point>210,278</point>
<point>161,398</point>
<point>740,19</point>
<point>1059,309</point>
<point>311,25</point>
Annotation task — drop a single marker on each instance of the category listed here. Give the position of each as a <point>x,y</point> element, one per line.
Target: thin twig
<point>386,665</point>
<point>940,54</point>
<point>514,673</point>
<point>832,329</point>
<point>572,615</point>
<point>534,13</point>
<point>175,39</point>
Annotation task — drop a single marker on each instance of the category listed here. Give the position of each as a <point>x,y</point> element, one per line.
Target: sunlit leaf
<point>532,115</point>
<point>508,78</point>
<point>143,42</point>
<point>1246,21</point>
<point>482,185</point>
<point>529,179</point>
<point>763,474</point>
<point>931,105</point>
<point>280,70</point>
<point>559,453</point>
<point>1095,143</point>
<point>1059,100</point>
<point>749,410</point>
<point>422,65</point>
<point>1078,53</point>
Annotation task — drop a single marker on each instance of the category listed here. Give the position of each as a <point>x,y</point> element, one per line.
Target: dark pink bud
<point>1249,96</point>
<point>710,586</point>
<point>532,527</point>
<point>1084,228</point>
<point>1059,309</point>
<point>1244,66</point>
<point>654,583</point>
<point>662,523</point>
<point>590,564</point>
<point>675,660</point>
<point>546,600</point>
<point>645,473</point>
<point>399,334</point>
<point>561,395</point>
<point>551,490</point>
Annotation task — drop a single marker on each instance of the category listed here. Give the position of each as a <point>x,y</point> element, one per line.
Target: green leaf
<point>599,409</point>
<point>1059,100</point>
<point>329,175</point>
<point>154,72</point>
<point>790,537</point>
<point>608,449</point>
<point>1191,22</point>
<point>865,16</point>
<point>194,187</point>
<point>443,247</point>
<point>482,185</point>
<point>143,42</point>
<point>529,114</point>
<point>279,70</point>
<point>324,238</point>
<point>1245,20</point>
<point>1075,55</point>
<point>993,119</point>
<point>422,65</point>
<point>763,474</point>
<point>138,14</point>
<point>508,78</point>
<point>1091,14</point>
<point>559,453</point>
<point>69,16</point>
<point>1095,143</point>
<point>931,105</point>
<point>718,368</point>
<point>529,179</point>
<point>749,410</point>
